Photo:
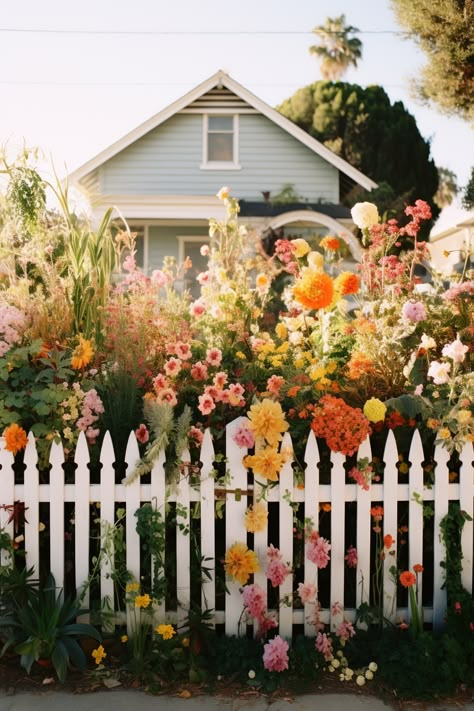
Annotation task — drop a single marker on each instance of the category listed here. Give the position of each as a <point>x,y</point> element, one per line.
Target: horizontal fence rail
<point>69,504</point>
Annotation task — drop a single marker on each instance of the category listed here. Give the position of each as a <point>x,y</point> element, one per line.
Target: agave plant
<point>45,628</point>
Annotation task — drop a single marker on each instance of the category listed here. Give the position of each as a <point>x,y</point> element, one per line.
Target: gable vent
<point>219,100</point>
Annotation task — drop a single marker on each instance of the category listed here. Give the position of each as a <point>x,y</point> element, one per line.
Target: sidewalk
<point>126,700</point>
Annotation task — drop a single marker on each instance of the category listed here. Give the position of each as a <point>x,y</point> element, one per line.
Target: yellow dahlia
<point>256,518</point>
<point>267,420</point>
<point>240,562</point>
<point>266,463</point>
<point>374,410</point>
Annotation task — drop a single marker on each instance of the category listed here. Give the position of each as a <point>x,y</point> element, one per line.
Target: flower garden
<point>277,353</point>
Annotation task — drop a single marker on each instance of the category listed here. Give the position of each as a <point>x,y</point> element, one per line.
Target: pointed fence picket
<point>238,490</point>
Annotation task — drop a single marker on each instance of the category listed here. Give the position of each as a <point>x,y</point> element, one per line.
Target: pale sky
<point>74,93</point>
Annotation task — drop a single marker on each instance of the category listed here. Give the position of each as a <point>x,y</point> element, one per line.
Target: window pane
<point>220,123</point>
<point>220,147</point>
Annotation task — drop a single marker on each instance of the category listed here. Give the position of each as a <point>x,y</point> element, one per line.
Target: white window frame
<point>220,164</point>
<point>182,239</point>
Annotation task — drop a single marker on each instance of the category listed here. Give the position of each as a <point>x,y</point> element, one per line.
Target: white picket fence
<point>238,495</point>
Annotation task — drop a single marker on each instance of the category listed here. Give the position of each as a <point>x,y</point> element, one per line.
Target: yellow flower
<point>316,261</point>
<point>374,410</point>
<point>317,372</point>
<point>281,330</point>
<point>444,433</point>
<point>223,193</point>
<point>132,587</point>
<point>365,214</point>
<point>300,247</point>
<point>463,417</point>
<point>240,562</point>
<point>185,642</point>
<point>15,438</point>
<point>256,518</point>
<point>142,600</point>
<point>99,654</point>
<point>266,463</point>
<point>267,420</point>
<point>262,281</point>
<point>240,355</point>
<point>82,354</point>
<point>329,242</point>
<point>166,631</point>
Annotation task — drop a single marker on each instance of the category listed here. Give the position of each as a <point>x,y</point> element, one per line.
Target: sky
<point>75,77</point>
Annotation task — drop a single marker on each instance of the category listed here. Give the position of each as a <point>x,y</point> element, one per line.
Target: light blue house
<point>164,175</point>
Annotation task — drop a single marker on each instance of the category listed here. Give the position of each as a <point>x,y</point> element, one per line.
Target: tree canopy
<point>335,48</point>
<point>381,139</point>
<point>444,29</point>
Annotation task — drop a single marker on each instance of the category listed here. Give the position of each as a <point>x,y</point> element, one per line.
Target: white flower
<point>439,372</point>
<point>365,214</point>
<point>251,674</point>
<point>427,342</point>
<point>373,666</point>
<point>336,663</point>
<point>369,675</point>
<point>360,680</point>
<point>455,350</point>
<point>223,193</point>
<point>300,247</point>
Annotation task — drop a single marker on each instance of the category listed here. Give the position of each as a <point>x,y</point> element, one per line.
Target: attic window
<point>220,142</point>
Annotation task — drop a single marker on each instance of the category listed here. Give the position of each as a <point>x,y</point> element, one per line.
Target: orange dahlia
<point>240,562</point>
<point>346,283</point>
<point>82,354</point>
<point>407,579</point>
<point>15,438</point>
<point>315,290</point>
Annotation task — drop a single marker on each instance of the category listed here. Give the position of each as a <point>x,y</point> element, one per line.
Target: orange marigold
<point>240,562</point>
<point>346,283</point>
<point>15,438</point>
<point>388,541</point>
<point>315,290</point>
<point>407,579</point>
<point>329,242</point>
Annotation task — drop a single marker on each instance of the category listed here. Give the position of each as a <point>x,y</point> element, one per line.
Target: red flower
<point>407,579</point>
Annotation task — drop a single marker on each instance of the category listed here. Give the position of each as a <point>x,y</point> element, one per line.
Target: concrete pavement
<point>126,700</point>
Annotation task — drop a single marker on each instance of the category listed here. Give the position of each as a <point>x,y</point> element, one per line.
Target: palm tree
<point>336,49</point>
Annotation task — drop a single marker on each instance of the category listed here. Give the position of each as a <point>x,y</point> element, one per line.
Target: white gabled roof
<point>224,80</point>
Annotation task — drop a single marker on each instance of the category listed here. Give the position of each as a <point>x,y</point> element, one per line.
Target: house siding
<point>167,162</point>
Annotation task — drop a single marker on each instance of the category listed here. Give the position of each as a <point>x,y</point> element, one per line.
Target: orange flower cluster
<point>314,290</point>
<point>331,243</point>
<point>15,438</point>
<point>359,365</point>
<point>346,283</point>
<point>343,427</point>
<point>240,562</point>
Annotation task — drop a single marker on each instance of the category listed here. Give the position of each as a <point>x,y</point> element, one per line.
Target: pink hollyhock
<point>266,623</point>
<point>167,395</point>
<point>277,572</point>
<point>414,311</point>
<point>234,395</point>
<point>243,437</point>
<point>183,351</point>
<point>351,557</point>
<point>214,356</point>
<point>255,600</point>
<point>220,379</point>
<point>307,592</point>
<point>142,434</point>
<point>317,550</point>
<point>273,553</point>
<point>203,278</point>
<point>455,350</point>
<point>197,308</point>
<point>324,646</point>
<point>206,404</point>
<point>160,382</point>
<point>160,278</point>
<point>195,434</point>
<point>275,655</point>
<point>199,371</point>
<point>345,630</point>
<point>172,367</point>
<point>129,263</point>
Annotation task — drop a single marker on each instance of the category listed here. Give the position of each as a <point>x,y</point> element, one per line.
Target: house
<point>164,175</point>
<point>452,240</point>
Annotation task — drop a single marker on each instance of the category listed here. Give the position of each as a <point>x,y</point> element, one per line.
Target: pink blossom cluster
<point>277,571</point>
<point>284,251</point>
<point>317,549</point>
<point>243,436</point>
<point>255,603</point>
<point>351,557</point>
<point>92,407</point>
<point>12,324</point>
<point>275,655</point>
<point>413,311</point>
<point>465,288</point>
<point>323,645</point>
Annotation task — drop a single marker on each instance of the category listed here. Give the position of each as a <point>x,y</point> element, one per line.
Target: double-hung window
<point>220,142</point>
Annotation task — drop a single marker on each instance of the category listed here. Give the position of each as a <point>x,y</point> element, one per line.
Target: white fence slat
<point>441,503</point>
<point>183,560</point>
<point>208,540</point>
<point>338,530</point>
<point>56,513</point>
<point>311,511</point>
<point>82,519</point>
<point>286,541</point>
<point>236,505</point>
<point>466,485</point>
<point>390,524</point>
<point>7,497</point>
<point>107,515</point>
<point>415,509</point>
<point>362,542</point>
<point>158,501</point>
<point>132,504</point>
<point>31,498</point>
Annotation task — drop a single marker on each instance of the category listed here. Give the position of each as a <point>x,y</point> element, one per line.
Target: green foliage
<point>379,138</point>
<point>151,527</point>
<point>335,48</point>
<point>45,628</point>
<point>443,30</point>
<point>468,195</point>
<point>26,193</point>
